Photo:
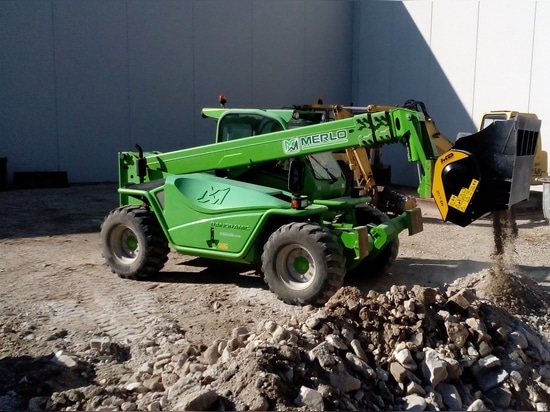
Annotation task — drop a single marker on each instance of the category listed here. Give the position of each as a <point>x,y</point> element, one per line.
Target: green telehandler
<point>270,194</point>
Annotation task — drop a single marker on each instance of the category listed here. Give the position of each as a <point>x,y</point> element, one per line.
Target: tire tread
<point>333,255</point>
<point>156,245</point>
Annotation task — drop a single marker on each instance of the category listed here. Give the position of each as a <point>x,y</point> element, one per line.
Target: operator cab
<point>233,124</point>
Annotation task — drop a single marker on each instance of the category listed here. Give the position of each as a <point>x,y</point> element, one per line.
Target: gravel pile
<point>407,349</point>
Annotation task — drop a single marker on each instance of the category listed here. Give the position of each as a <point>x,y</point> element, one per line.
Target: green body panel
<point>421,150</point>
<point>230,217</point>
<point>219,213</point>
<point>350,240</point>
<point>204,215</point>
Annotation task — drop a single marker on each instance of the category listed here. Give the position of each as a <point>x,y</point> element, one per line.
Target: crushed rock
<point>458,347</point>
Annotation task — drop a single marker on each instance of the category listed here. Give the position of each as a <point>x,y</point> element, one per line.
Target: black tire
<point>303,264</point>
<point>381,263</point>
<point>133,243</point>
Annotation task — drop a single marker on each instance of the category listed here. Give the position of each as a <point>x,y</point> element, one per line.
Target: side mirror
<point>296,174</point>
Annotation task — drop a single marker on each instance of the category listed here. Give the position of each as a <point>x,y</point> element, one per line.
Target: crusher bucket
<point>486,171</point>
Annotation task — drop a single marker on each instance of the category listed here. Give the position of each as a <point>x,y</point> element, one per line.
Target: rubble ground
<point>456,325</point>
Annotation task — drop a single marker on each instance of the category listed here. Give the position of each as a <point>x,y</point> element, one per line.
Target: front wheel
<point>133,243</point>
<point>303,264</point>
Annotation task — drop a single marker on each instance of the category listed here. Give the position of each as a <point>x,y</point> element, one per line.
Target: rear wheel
<point>303,264</point>
<point>132,242</point>
<point>381,263</point>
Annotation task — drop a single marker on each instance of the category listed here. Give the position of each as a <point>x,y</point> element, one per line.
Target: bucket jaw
<point>486,171</point>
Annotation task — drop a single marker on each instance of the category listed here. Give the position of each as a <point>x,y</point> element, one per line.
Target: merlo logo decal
<point>297,144</point>
<point>291,146</point>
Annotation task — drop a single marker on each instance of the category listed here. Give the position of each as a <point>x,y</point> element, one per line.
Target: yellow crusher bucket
<point>486,171</point>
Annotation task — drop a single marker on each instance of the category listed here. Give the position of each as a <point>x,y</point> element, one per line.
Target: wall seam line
<point>252,96</point>
<point>475,63</point>
<point>55,94</point>
<point>532,58</point>
<point>193,74</point>
<point>128,85</point>
<point>432,57</point>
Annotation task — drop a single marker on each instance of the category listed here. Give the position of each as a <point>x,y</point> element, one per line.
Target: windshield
<point>237,126</point>
<point>324,166</point>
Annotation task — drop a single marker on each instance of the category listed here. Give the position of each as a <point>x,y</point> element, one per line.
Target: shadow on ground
<point>206,271</point>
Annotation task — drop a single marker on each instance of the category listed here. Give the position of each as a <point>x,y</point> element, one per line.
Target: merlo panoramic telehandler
<point>269,193</point>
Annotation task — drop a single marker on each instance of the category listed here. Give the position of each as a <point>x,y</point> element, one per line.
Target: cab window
<point>238,125</point>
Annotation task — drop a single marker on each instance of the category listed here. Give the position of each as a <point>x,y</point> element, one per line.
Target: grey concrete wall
<point>82,80</point>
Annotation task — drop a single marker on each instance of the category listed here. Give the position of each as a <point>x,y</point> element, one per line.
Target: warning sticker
<point>462,201</point>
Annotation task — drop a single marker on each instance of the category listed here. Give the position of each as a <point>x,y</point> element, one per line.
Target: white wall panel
<point>278,53</point>
<point>222,58</point>
<point>504,55</point>
<point>28,131</point>
<point>540,77</point>
<point>160,58</point>
<point>411,53</point>
<point>328,51</point>
<point>393,52</point>
<point>373,52</point>
<point>394,65</point>
<point>92,86</point>
<point>271,54</point>
<point>452,69</point>
<point>409,74</point>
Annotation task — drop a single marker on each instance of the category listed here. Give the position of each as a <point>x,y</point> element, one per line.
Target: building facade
<point>84,80</point>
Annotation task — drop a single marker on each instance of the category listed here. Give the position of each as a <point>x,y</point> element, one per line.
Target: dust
<point>505,284</point>
<point>505,233</point>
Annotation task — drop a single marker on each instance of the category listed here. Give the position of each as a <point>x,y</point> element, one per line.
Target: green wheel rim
<point>295,266</point>
<point>124,244</point>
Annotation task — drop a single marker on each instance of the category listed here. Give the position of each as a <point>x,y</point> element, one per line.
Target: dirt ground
<point>56,289</point>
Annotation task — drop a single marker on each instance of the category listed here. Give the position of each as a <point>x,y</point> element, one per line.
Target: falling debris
<point>505,233</point>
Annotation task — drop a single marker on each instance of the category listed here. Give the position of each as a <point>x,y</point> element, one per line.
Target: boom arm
<point>362,130</point>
